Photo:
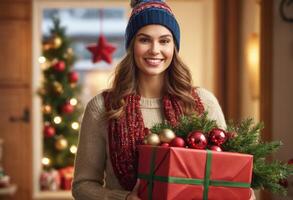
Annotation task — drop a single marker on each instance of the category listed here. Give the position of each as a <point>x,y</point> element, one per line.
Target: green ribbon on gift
<point>206,182</point>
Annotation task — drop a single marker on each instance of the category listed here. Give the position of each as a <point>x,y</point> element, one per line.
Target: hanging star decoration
<point>102,50</point>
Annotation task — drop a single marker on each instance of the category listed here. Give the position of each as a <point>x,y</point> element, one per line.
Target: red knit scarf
<point>129,130</point>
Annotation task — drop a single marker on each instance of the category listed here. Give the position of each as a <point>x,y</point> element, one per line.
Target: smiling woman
<point>151,85</point>
<point>84,18</point>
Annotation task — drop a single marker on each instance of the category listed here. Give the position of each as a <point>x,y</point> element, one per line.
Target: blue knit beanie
<point>146,12</point>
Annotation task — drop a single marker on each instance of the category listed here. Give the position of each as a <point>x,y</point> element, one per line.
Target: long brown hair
<point>178,82</point>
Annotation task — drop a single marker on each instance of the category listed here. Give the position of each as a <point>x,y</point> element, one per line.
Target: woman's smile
<point>154,62</point>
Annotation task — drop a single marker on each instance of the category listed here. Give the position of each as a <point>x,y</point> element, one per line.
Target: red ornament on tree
<point>59,66</point>
<point>177,142</point>
<point>217,136</point>
<point>196,140</point>
<point>73,77</point>
<point>215,148</point>
<point>102,50</point>
<point>67,108</point>
<point>49,131</point>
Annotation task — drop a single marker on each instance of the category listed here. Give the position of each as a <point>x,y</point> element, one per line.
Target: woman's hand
<point>133,195</point>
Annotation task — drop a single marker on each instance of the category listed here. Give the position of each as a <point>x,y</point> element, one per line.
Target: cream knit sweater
<point>94,178</point>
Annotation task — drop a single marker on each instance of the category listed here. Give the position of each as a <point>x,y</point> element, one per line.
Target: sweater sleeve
<point>212,106</point>
<point>90,159</point>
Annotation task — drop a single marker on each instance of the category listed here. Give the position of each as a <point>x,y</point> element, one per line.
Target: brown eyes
<point>147,40</point>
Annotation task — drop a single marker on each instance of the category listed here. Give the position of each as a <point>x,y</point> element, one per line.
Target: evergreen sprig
<point>187,124</point>
<point>243,137</point>
<point>266,174</point>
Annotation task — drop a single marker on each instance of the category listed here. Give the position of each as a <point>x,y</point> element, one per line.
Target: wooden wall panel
<point>15,52</point>
<point>227,68</point>
<point>266,77</point>
<point>15,9</point>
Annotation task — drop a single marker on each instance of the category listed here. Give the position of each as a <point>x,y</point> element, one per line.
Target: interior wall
<point>250,18</point>
<point>283,88</point>
<point>195,18</point>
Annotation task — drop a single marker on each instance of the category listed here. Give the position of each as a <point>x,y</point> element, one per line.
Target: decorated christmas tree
<point>60,105</point>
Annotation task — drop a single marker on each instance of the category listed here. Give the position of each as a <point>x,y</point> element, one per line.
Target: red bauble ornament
<point>73,77</point>
<point>165,144</point>
<point>67,108</point>
<point>102,50</point>
<point>59,66</point>
<point>196,140</point>
<point>215,148</point>
<point>217,136</point>
<point>49,131</point>
<point>177,142</point>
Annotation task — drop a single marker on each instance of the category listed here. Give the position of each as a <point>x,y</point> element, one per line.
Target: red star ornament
<point>102,50</point>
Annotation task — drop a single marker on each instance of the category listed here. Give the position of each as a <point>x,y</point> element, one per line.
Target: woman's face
<point>153,50</point>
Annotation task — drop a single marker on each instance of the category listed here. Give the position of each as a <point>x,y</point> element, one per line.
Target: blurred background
<point>240,50</point>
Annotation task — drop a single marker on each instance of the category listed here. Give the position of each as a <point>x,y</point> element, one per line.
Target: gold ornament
<point>152,139</point>
<point>58,87</point>
<point>167,135</point>
<point>69,53</point>
<point>61,143</point>
<point>47,109</point>
<point>57,42</point>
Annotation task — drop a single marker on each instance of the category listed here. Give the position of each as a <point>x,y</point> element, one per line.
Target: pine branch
<point>266,175</point>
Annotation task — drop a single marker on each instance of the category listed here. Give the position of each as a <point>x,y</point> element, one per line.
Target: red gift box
<point>190,174</point>
<point>66,177</point>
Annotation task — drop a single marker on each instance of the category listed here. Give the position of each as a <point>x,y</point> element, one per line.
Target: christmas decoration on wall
<point>60,105</point>
<point>102,50</point>
<point>201,133</point>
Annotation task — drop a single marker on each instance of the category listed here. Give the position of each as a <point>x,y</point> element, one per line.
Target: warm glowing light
<point>42,59</point>
<point>253,52</point>
<point>57,120</point>
<point>73,149</point>
<point>73,101</point>
<point>46,161</point>
<point>75,125</point>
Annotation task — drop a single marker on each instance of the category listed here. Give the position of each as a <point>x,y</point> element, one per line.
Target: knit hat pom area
<point>147,12</point>
<point>134,3</point>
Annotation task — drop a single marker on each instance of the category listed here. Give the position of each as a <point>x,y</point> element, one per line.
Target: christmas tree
<point>60,105</point>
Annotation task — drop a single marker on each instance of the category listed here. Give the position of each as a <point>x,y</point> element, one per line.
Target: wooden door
<point>15,91</point>
<point>15,131</point>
